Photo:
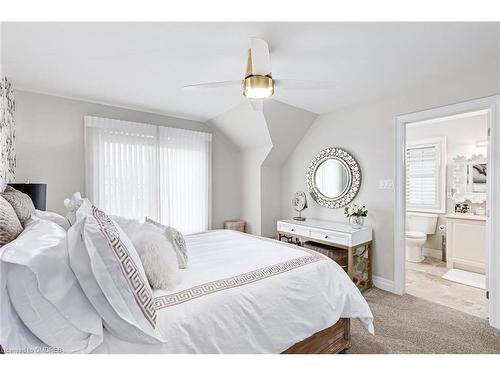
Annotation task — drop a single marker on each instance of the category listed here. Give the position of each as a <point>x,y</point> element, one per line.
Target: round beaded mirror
<point>333,177</point>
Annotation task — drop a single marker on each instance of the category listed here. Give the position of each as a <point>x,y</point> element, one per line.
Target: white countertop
<point>326,224</point>
<point>466,216</point>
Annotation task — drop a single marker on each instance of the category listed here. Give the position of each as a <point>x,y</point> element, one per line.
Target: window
<point>425,175</point>
<point>137,170</point>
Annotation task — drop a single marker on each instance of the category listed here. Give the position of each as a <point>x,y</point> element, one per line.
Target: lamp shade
<point>37,193</point>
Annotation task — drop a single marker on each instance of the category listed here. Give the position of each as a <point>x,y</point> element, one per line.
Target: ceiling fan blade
<point>256,104</point>
<point>295,84</point>
<point>261,61</point>
<point>214,85</point>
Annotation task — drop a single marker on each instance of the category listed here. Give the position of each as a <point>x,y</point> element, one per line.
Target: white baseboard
<point>384,284</point>
<point>433,253</point>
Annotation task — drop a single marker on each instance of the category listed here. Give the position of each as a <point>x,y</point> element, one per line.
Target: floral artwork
<point>7,132</point>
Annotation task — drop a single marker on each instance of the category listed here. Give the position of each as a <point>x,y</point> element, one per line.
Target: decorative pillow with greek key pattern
<point>21,202</point>
<point>177,240</point>
<point>10,226</point>
<point>112,276</point>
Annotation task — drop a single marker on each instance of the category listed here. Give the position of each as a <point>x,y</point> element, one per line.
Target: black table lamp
<point>37,193</point>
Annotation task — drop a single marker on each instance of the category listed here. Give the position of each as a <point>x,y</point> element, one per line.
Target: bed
<point>247,294</point>
<point>84,291</point>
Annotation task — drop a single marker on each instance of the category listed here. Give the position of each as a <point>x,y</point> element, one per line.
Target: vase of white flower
<point>356,221</point>
<point>356,214</point>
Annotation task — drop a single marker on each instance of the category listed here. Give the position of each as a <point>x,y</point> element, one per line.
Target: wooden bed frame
<point>332,340</point>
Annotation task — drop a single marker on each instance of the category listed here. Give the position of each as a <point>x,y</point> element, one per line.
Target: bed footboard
<point>334,339</point>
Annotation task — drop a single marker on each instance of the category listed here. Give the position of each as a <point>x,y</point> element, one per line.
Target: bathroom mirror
<point>470,178</point>
<point>333,177</point>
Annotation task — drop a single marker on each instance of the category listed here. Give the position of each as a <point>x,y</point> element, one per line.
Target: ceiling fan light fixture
<point>258,87</point>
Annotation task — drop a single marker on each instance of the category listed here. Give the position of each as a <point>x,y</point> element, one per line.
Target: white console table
<point>357,243</point>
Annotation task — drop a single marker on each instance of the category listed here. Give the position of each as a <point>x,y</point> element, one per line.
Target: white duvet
<point>244,294</point>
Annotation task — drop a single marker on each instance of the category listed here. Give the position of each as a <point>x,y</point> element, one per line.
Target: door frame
<point>492,104</point>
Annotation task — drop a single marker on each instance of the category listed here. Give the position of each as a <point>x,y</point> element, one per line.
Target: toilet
<point>418,226</point>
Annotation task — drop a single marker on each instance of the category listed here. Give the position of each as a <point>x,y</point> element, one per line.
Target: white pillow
<point>39,315</point>
<point>158,258</point>
<point>177,240</point>
<point>111,275</point>
<point>72,204</point>
<point>44,291</point>
<point>129,226</point>
<point>54,217</point>
<point>14,335</point>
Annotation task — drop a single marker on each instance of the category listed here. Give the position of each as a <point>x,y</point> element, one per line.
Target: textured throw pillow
<point>158,258</point>
<point>44,291</point>
<point>129,226</point>
<point>10,226</point>
<point>177,239</point>
<point>112,276</point>
<point>60,220</point>
<point>20,202</point>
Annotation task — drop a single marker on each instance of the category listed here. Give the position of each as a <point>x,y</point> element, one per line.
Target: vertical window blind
<point>423,171</point>
<point>137,170</point>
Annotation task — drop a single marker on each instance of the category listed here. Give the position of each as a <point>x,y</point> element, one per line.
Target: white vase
<point>356,221</point>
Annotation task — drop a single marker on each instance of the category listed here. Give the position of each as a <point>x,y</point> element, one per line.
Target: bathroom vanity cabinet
<point>466,242</point>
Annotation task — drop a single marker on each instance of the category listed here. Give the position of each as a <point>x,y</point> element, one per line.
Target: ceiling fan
<point>258,83</point>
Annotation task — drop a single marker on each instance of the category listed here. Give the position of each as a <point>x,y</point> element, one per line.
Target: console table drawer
<point>292,229</point>
<point>330,237</point>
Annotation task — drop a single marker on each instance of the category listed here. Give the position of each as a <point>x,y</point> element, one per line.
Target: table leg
<point>350,262</point>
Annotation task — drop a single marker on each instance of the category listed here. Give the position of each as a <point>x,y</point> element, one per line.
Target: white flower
<point>355,210</point>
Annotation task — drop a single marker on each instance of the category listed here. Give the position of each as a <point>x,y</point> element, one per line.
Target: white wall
<point>226,180</point>
<point>286,125</point>
<point>270,199</point>
<point>462,135</point>
<point>367,131</point>
<point>50,148</point>
<point>250,168</point>
<point>265,139</point>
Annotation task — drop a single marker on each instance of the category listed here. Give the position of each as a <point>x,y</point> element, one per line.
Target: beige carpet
<point>407,324</point>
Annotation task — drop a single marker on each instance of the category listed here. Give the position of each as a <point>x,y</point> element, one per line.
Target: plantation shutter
<point>422,177</point>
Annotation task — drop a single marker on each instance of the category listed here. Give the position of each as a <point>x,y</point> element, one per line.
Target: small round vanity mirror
<point>333,177</point>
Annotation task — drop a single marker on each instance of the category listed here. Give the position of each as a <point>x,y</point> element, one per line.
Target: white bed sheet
<point>244,294</point>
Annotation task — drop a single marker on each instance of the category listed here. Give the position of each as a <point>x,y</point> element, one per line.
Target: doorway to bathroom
<point>445,220</point>
<point>447,207</point>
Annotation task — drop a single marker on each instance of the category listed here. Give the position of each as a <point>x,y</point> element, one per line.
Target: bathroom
<point>446,191</point>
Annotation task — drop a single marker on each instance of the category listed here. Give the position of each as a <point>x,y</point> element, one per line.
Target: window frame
<point>440,144</point>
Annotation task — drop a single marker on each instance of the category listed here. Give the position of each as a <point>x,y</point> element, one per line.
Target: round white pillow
<point>158,258</point>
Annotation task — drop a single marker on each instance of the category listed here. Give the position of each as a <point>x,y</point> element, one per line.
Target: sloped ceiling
<point>143,65</point>
<point>279,126</point>
<point>245,127</point>
<point>286,126</point>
